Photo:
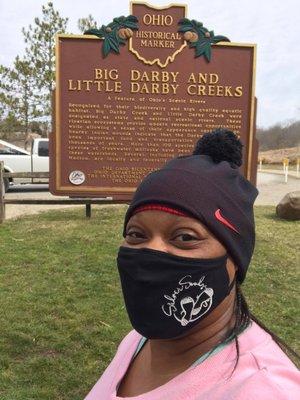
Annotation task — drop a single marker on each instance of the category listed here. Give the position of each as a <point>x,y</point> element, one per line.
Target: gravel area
<point>271,186</point>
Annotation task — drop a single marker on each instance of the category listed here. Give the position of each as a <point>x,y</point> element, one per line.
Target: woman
<point>189,237</point>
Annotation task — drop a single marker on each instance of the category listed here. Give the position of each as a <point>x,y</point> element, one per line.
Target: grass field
<point>62,314</point>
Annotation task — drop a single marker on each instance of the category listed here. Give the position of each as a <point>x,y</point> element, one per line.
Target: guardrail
<point>87,201</point>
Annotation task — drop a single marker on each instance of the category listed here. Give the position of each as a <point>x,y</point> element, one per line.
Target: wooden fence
<point>87,201</point>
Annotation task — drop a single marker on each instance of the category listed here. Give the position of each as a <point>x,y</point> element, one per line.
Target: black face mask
<point>167,295</point>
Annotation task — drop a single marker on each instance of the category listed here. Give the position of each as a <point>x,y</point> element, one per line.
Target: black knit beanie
<point>208,185</point>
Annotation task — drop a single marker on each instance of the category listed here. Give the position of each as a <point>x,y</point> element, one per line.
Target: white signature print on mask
<point>189,301</point>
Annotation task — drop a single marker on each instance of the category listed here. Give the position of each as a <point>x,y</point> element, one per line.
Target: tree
<point>3,106</point>
<point>8,125</point>
<point>18,94</point>
<point>84,24</point>
<point>279,136</point>
<point>40,40</point>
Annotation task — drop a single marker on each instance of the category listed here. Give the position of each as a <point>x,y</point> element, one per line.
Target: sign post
<point>285,162</point>
<point>2,192</point>
<point>142,90</point>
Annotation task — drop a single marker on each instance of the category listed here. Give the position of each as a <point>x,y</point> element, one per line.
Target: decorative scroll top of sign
<point>156,41</point>
<point>152,34</point>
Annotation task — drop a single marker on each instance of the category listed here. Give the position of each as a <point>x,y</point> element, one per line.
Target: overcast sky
<point>274,25</point>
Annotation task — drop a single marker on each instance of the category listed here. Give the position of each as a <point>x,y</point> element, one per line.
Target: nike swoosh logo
<point>224,221</point>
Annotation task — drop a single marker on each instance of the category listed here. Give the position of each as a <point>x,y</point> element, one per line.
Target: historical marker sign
<point>142,90</point>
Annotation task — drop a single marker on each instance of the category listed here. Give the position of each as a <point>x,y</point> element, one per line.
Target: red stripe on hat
<point>224,221</point>
<point>160,207</point>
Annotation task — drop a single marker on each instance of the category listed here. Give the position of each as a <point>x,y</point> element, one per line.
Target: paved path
<point>271,188</point>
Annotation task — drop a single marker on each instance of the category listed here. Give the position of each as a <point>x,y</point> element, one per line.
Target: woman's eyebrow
<point>179,224</point>
<point>133,225</point>
<point>136,224</point>
<point>188,222</point>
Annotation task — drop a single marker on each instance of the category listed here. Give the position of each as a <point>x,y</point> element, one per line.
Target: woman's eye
<point>186,237</point>
<point>134,235</point>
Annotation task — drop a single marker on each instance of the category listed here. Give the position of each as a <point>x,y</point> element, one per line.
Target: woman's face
<point>181,236</point>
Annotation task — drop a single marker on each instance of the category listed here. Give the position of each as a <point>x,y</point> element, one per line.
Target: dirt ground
<point>271,186</point>
<point>276,156</point>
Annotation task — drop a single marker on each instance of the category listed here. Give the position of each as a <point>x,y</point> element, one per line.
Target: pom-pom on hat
<point>208,186</point>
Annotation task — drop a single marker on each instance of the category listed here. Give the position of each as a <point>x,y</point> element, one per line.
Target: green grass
<point>62,314</point>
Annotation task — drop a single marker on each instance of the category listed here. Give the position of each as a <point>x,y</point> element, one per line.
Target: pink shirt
<point>264,372</point>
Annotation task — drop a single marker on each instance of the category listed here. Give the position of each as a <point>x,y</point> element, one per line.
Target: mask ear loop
<point>231,285</point>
